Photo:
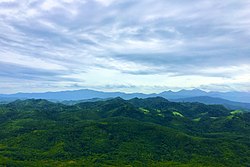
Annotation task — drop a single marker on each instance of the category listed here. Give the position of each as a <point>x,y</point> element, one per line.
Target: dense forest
<point>117,132</point>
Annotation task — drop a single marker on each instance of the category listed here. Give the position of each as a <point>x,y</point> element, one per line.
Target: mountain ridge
<point>83,94</point>
<point>117,132</point>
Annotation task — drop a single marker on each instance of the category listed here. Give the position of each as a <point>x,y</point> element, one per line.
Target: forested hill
<point>117,132</point>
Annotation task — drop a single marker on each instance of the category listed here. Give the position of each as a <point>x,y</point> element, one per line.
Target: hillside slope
<point>116,132</point>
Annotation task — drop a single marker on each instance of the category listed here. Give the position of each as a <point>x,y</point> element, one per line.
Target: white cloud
<point>50,4</point>
<point>106,2</point>
<point>31,62</point>
<point>147,44</point>
<point>8,1</point>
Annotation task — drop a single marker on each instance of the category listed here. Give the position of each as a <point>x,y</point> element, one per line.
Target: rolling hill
<point>118,132</point>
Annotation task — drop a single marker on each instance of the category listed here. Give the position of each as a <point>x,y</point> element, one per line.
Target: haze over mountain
<point>214,100</point>
<point>183,95</point>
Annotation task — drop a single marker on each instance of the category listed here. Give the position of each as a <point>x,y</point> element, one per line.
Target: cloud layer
<point>145,46</point>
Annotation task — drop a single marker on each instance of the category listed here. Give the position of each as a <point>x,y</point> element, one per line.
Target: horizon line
<point>90,89</point>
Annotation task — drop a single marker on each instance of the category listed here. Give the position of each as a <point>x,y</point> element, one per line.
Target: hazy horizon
<point>128,92</point>
<point>128,46</point>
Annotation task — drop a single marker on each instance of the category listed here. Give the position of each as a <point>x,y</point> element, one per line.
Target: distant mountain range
<point>229,99</point>
<point>213,100</point>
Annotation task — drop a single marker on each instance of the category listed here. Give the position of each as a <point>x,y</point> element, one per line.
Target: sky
<point>124,45</point>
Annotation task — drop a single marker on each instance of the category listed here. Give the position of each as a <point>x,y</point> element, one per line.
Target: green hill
<point>117,132</point>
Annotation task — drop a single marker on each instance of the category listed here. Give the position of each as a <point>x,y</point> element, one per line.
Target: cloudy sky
<point>124,45</point>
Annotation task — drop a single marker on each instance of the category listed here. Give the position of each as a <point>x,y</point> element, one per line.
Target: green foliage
<point>138,132</point>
